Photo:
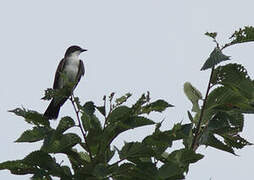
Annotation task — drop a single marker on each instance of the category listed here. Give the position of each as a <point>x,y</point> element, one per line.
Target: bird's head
<point>74,50</point>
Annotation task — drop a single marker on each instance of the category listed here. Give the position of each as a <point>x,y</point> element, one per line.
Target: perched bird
<point>72,68</point>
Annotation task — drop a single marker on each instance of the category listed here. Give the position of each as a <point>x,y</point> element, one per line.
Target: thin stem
<point>195,144</point>
<point>77,110</point>
<point>105,122</point>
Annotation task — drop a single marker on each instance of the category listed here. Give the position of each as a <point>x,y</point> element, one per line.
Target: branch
<point>195,144</point>
<point>77,110</point>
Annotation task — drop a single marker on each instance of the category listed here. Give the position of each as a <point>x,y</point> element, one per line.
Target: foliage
<point>217,123</point>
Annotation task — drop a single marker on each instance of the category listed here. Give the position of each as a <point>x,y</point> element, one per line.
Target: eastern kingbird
<point>73,68</point>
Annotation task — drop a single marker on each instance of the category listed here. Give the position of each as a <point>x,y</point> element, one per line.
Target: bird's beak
<point>82,50</point>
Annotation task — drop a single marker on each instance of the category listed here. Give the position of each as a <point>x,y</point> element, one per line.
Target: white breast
<point>72,67</point>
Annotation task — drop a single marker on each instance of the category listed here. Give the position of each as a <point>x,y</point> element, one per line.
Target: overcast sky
<point>133,46</point>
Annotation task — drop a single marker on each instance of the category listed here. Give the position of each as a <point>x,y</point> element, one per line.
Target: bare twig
<point>195,144</point>
<point>77,110</point>
<point>105,122</point>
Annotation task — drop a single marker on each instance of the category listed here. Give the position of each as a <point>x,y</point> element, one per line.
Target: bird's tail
<point>52,110</point>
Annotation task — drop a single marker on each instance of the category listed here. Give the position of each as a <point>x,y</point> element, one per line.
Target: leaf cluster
<point>217,123</point>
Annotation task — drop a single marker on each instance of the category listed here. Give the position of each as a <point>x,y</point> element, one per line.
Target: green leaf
<point>209,139</point>
<point>94,133</point>
<point>47,164</point>
<point>215,58</point>
<point>226,99</point>
<point>18,167</point>
<point>77,159</point>
<point>36,134</point>
<point>85,156</point>
<point>236,77</point>
<point>241,36</point>
<point>121,113</point>
<point>193,94</point>
<point>122,99</point>
<point>140,171</point>
<point>64,124</point>
<point>178,162</point>
<point>184,157</point>
<point>211,34</point>
<point>30,116</point>
<point>226,122</point>
<point>109,154</point>
<point>89,108</point>
<point>159,141</point>
<point>59,143</point>
<point>100,170</point>
<point>235,141</point>
<point>157,106</point>
<point>169,170</point>
<point>114,129</point>
<point>190,116</point>
<point>134,122</point>
<point>135,150</point>
<point>58,94</point>
<point>101,109</point>
<point>140,102</point>
<point>90,122</point>
<point>41,159</point>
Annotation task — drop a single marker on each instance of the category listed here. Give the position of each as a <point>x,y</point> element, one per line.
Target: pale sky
<point>133,46</point>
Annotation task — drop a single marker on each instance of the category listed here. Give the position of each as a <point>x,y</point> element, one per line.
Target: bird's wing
<point>81,70</point>
<point>57,75</point>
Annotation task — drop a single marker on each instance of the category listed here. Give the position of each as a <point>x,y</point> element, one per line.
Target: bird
<point>72,69</point>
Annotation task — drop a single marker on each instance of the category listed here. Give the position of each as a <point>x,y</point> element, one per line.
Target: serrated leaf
<point>226,99</point>
<point>121,113</point>
<point>157,106</point>
<point>36,134</point>
<point>64,124</point>
<point>135,150</point>
<point>235,141</point>
<point>184,157</point>
<point>224,123</point>
<point>236,77</point>
<point>169,170</point>
<point>209,139</point>
<point>114,129</point>
<point>159,141</point>
<point>47,164</point>
<point>41,159</point>
<point>59,143</point>
<point>215,58</point>
<point>135,122</point>
<point>30,116</point>
<point>241,36</point>
<point>58,94</point>
<point>18,167</point>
